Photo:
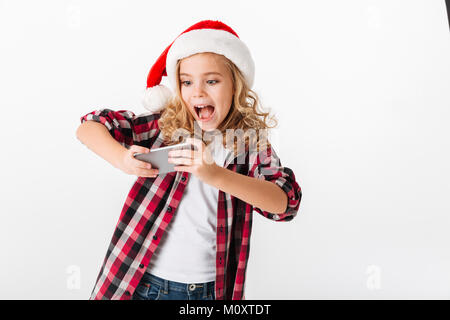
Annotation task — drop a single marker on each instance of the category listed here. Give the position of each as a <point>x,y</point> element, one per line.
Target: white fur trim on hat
<point>156,98</point>
<point>210,40</point>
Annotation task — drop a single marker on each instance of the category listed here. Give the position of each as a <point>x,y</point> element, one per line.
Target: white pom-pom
<point>156,98</point>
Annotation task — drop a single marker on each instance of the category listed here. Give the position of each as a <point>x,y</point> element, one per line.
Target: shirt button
<point>169,209</point>
<point>127,293</point>
<point>155,237</point>
<point>276,217</point>
<point>141,265</point>
<point>183,178</point>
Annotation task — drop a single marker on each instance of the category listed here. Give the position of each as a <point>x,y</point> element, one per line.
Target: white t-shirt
<point>187,250</point>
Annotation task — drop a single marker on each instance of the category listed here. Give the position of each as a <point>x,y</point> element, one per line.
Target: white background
<point>361,92</point>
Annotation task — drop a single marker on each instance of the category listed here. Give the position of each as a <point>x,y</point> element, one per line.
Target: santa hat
<point>204,36</point>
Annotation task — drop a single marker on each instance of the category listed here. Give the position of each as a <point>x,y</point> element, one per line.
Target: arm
<point>260,187</point>
<point>266,166</point>
<point>108,133</point>
<point>259,193</point>
<point>97,138</point>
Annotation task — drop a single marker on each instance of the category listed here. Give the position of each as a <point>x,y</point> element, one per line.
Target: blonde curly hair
<point>244,117</point>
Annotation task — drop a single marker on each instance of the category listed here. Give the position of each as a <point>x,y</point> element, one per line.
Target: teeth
<point>201,106</point>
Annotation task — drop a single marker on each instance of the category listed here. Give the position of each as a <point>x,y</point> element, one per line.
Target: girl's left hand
<point>198,162</point>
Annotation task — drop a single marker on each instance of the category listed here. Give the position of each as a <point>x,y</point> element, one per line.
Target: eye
<point>215,81</point>
<point>183,82</point>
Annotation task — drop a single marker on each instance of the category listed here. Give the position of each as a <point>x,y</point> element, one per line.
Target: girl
<point>186,234</point>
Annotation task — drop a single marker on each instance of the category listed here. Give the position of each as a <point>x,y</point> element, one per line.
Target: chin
<point>206,127</point>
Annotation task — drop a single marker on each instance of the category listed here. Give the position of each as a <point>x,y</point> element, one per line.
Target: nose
<point>198,90</point>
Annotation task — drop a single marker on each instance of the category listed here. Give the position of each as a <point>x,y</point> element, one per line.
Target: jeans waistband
<point>168,285</point>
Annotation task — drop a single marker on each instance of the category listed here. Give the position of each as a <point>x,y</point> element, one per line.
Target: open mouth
<point>204,112</point>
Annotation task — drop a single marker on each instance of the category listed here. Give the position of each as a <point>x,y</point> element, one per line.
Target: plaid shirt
<point>152,202</point>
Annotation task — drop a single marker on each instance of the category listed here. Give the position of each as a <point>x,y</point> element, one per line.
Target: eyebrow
<point>205,74</point>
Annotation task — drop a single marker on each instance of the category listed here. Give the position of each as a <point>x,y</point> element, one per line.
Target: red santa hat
<point>204,36</point>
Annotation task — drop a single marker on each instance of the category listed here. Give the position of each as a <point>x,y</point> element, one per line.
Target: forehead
<point>201,63</point>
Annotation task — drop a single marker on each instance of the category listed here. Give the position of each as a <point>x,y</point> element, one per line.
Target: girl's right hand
<point>130,165</point>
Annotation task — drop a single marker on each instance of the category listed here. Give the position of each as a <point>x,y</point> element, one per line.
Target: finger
<point>183,168</point>
<point>193,158</point>
<point>138,149</point>
<point>147,172</point>
<point>196,142</point>
<point>181,153</point>
<point>183,161</point>
<point>142,164</point>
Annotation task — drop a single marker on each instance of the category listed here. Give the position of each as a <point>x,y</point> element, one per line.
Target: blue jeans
<point>152,287</point>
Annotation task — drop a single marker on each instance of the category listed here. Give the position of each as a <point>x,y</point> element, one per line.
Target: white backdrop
<point>361,92</point>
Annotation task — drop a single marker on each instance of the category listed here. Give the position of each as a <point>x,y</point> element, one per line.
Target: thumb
<point>139,149</point>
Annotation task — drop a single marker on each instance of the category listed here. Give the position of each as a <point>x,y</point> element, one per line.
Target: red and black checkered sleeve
<point>267,166</point>
<point>120,124</point>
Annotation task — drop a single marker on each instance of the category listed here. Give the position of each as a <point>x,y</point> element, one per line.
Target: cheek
<point>227,99</point>
<point>186,96</point>
<point>184,93</point>
<point>225,95</point>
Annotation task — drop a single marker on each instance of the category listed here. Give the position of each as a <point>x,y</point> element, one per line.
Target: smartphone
<point>158,157</point>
